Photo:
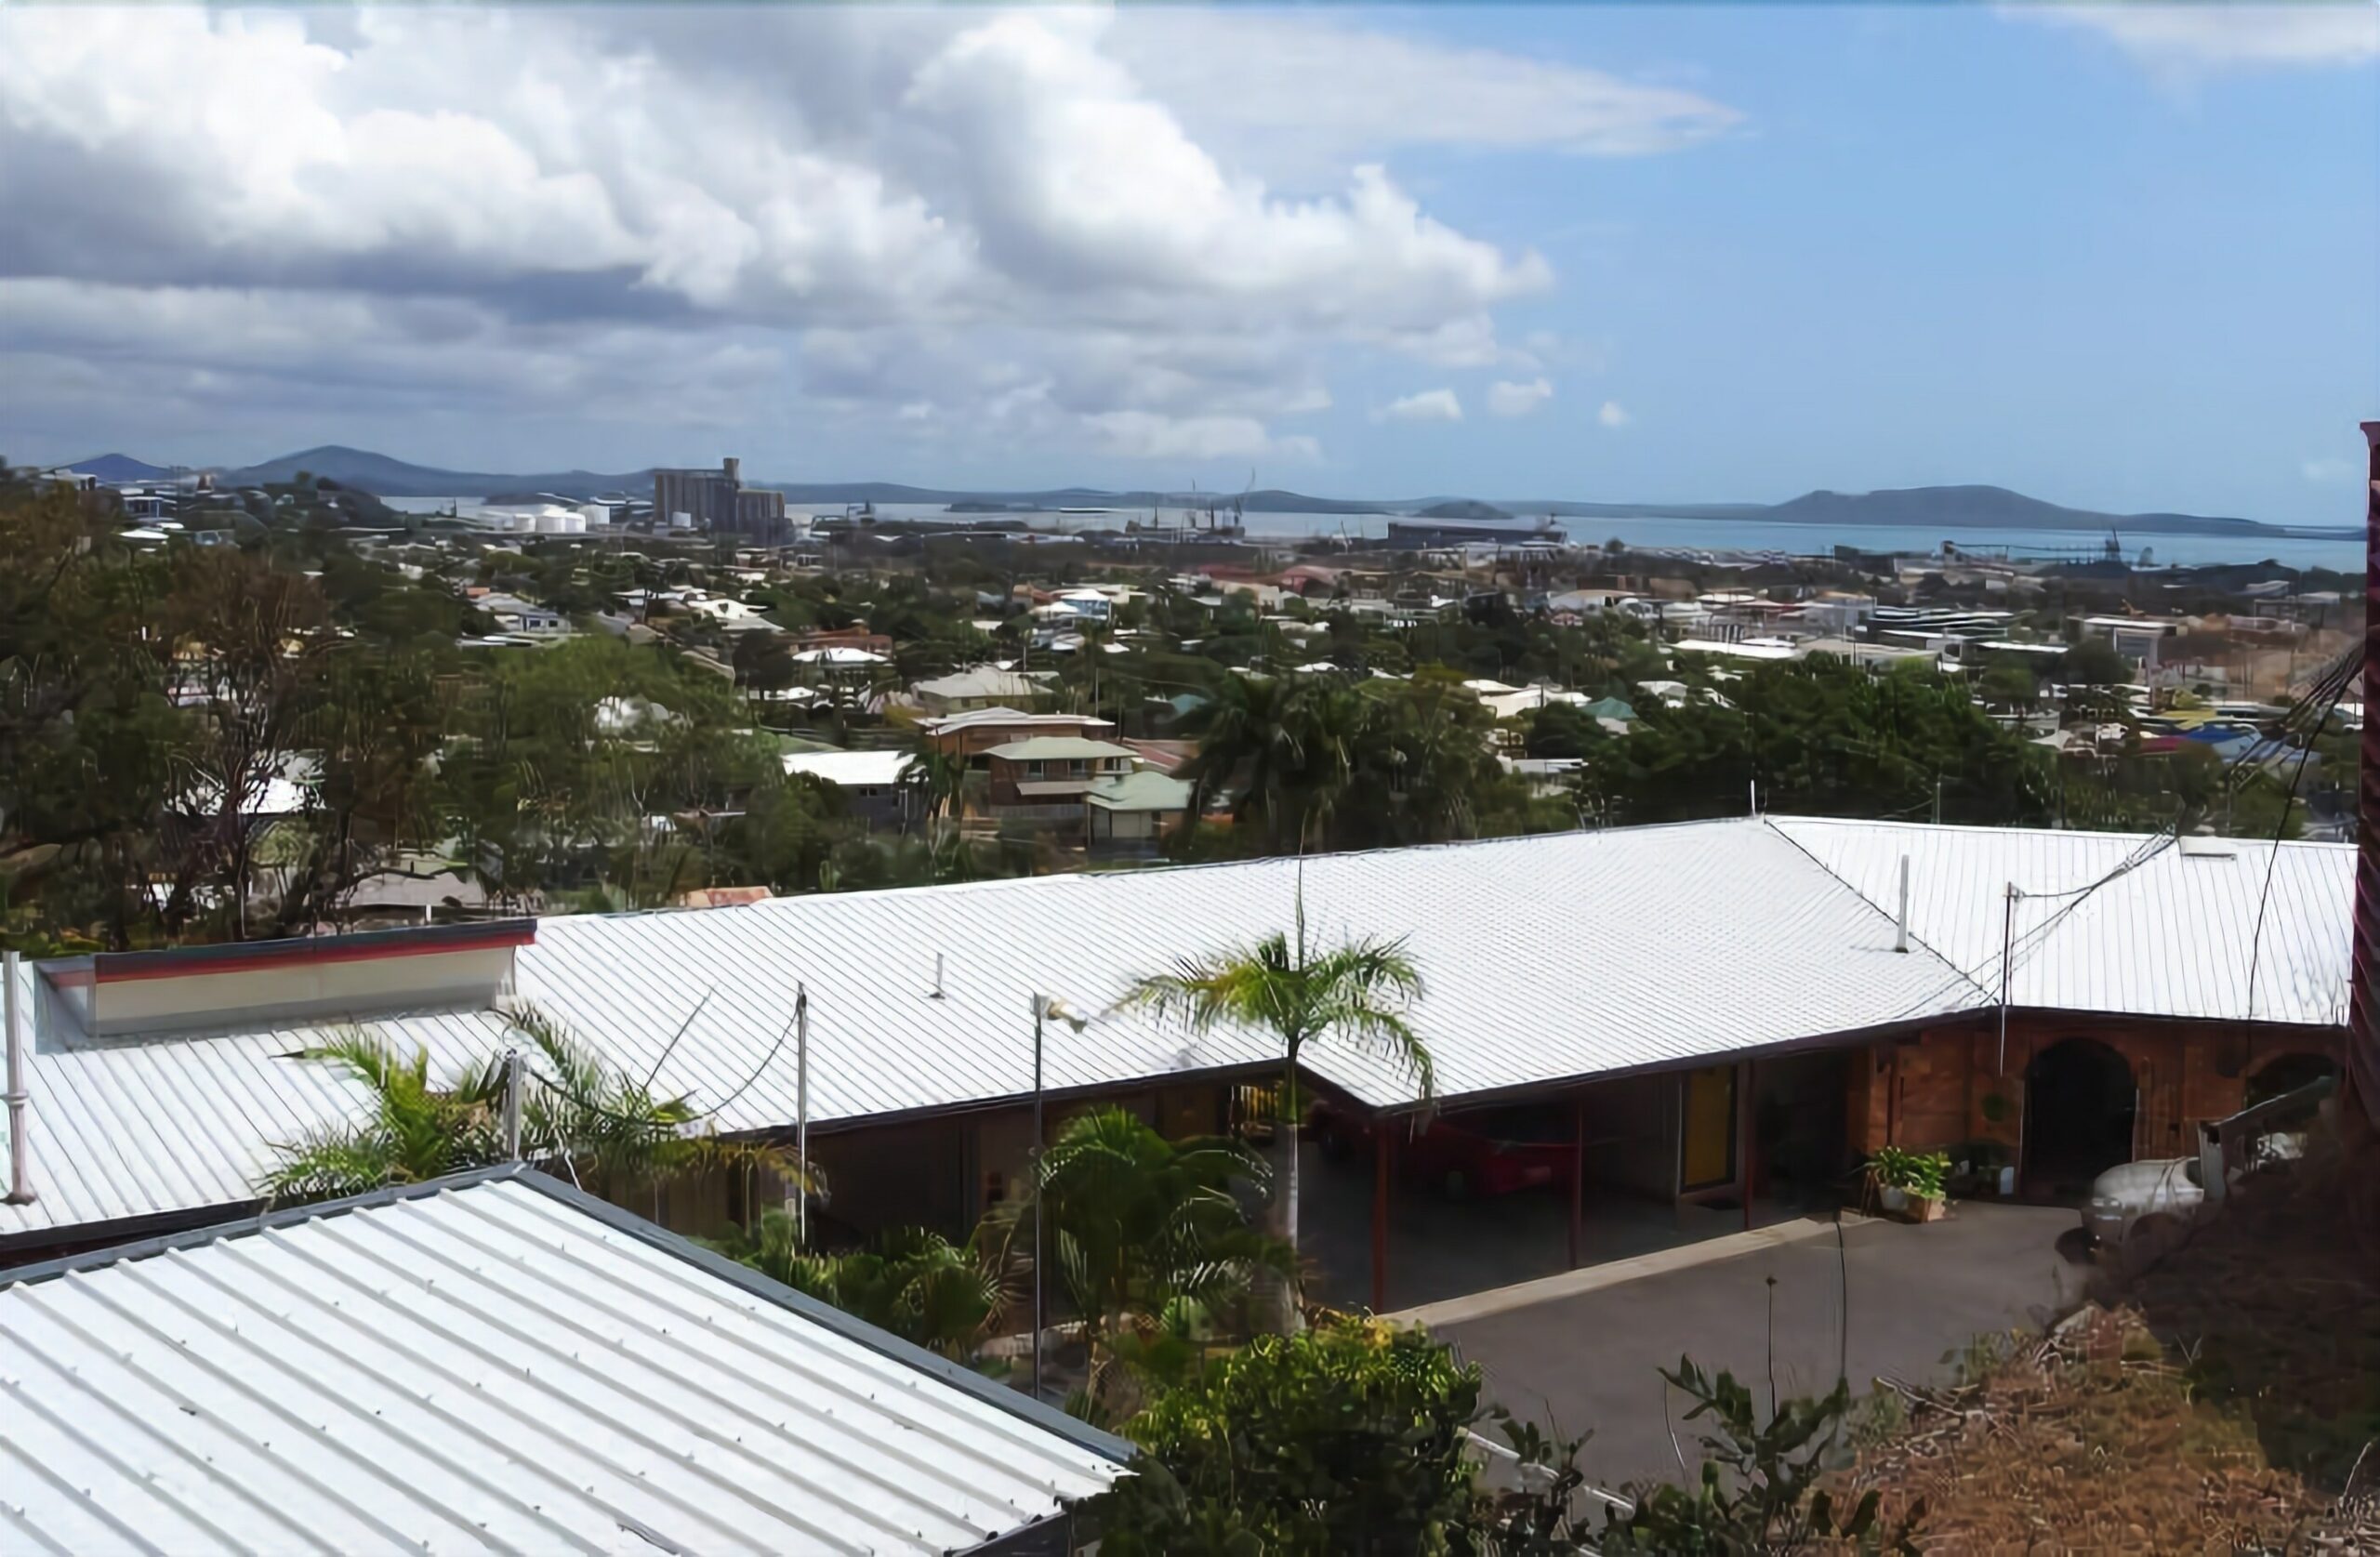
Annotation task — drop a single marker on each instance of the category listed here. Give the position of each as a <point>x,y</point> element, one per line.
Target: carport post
<point>1379,1214</point>
<point>1747,1142</point>
<point>1578,1175</point>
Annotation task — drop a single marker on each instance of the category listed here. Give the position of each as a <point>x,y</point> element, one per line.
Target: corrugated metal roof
<point>849,767</point>
<point>2119,922</point>
<point>1547,958</point>
<point>491,1364</point>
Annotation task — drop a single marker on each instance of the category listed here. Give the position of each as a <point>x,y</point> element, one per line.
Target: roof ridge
<point>1877,908</point>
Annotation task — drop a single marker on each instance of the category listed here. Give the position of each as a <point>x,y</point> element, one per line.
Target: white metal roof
<point>854,767</point>
<point>2169,930</point>
<point>495,1364</point>
<point>1547,958</point>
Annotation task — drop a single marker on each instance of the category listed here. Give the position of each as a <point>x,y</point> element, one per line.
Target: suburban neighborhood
<point>1189,782</point>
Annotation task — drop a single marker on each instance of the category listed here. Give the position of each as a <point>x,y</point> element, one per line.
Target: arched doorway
<point>2080,1103</point>
<point>2286,1072</point>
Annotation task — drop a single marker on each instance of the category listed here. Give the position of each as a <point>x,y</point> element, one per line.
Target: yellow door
<point>1710,1154</point>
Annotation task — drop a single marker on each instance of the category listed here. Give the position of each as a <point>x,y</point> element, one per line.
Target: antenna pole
<point>802,1113</point>
<point>2007,925</point>
<point>1039,1005</point>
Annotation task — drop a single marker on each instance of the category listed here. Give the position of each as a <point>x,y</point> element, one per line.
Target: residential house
<point>1130,814</point>
<point>1046,778</point>
<point>2141,999</point>
<point>984,686</point>
<point>976,732</point>
<point>514,614</point>
<point>873,785</point>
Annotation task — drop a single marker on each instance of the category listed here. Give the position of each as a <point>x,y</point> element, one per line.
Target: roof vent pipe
<point>20,1179</point>
<point>1900,924</point>
<point>937,975</point>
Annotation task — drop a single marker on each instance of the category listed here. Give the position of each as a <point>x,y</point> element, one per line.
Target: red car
<point>1484,1152</point>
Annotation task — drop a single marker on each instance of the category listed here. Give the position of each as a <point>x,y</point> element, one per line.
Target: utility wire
<point>2352,662</point>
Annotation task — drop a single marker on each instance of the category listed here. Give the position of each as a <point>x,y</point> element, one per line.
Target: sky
<point>2121,256</point>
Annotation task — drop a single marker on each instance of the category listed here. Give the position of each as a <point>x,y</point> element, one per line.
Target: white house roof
<point>2119,922</point>
<point>981,681</point>
<point>493,1362</point>
<point>1547,958</point>
<point>839,653</point>
<point>851,768</point>
<point>1003,715</point>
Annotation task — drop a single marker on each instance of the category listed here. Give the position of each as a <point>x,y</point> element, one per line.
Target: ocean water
<point>1649,531</point>
<point>1754,535</point>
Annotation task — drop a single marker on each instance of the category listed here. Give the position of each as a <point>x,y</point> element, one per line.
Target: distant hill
<point>1925,508</point>
<point>1465,507</point>
<point>385,477</point>
<point>1994,507</point>
<point>123,467</point>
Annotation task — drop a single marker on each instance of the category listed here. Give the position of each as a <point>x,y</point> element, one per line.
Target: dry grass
<point>2089,1440</point>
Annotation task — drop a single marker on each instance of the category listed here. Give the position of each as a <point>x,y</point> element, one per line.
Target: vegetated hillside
<point>2219,1395</point>
<point>385,477</point>
<point>1982,507</point>
<point>123,467</point>
<point>1465,507</point>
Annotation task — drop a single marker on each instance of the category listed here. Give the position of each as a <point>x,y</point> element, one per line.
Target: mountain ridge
<point>1949,507</point>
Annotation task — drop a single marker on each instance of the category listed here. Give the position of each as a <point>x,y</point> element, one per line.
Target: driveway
<point>1587,1360</point>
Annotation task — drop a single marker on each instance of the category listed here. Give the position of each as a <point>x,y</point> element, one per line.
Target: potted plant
<point>1910,1183</point>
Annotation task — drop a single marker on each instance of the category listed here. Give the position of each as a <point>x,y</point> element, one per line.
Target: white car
<point>2126,1196</point>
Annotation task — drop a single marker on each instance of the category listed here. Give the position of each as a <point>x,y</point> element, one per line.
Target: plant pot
<point>1925,1208</point>
<point>1892,1198</point>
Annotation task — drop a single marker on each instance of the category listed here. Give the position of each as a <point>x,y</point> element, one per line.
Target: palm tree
<point>1143,1230</point>
<point>1357,993</point>
<point>939,780</point>
<point>915,1282</point>
<point>602,1128</point>
<point>1250,742</point>
<point>413,1131</point>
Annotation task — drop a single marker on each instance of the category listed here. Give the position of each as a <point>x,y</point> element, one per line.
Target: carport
<point>1401,1208</point>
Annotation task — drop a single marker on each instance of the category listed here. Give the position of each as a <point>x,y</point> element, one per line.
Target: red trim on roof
<point>333,950</point>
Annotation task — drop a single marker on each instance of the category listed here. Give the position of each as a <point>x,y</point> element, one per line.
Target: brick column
<point>2363,999</point>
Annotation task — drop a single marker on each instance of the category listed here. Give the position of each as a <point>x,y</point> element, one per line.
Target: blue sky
<point>2122,258</point>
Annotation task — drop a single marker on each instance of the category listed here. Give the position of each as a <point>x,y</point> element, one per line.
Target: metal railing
<point>2228,1146</point>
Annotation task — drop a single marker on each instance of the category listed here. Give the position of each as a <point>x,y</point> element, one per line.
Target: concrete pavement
<point>1587,1359</point>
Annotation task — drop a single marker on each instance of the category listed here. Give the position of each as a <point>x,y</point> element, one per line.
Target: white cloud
<point>2194,40</point>
<point>1302,92</point>
<point>1614,414</point>
<point>2329,469</point>
<point>1426,406</point>
<point>1142,435</point>
<point>1508,399</point>
<point>1036,220</point>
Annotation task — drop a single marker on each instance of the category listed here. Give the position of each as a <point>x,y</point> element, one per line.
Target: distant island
<point>1465,507</point>
<point>1938,507</point>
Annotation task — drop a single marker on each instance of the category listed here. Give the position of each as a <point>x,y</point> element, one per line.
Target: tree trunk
<point>1288,1313</point>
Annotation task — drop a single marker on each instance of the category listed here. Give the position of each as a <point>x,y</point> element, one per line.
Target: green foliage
<point>1345,1440</point>
<point>1138,1226</point>
<point>1760,1490</point>
<point>1922,1174</point>
<point>1317,763</point>
<point>912,1282</point>
<point>1822,737</point>
<point>580,1117</point>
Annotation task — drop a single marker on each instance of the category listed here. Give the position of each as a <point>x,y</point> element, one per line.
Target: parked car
<point>1485,1151</point>
<point>2135,1196</point>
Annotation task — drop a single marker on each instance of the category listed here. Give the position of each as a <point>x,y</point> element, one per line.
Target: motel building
<point>1641,1036</point>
